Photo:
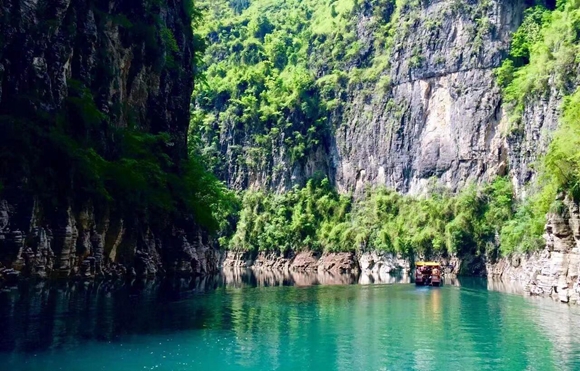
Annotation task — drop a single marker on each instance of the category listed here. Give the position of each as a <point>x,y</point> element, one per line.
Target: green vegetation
<point>563,157</point>
<point>523,232</point>
<point>81,155</point>
<point>544,49</point>
<point>317,218</point>
<point>544,55</point>
<point>274,71</point>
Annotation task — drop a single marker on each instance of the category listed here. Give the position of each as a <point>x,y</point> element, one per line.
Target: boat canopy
<point>428,264</point>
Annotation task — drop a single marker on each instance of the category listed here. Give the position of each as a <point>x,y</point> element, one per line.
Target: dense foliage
<point>81,155</point>
<point>317,218</point>
<point>544,55</point>
<point>275,70</point>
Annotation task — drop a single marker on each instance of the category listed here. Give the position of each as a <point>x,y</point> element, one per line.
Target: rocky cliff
<point>95,103</point>
<point>555,270</point>
<point>413,97</point>
<point>88,90</point>
<point>441,115</point>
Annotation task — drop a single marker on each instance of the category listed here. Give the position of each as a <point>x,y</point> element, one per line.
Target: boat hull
<point>428,281</point>
<point>436,281</point>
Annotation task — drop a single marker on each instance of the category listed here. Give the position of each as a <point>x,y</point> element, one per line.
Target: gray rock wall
<point>119,51</point>
<point>369,263</point>
<point>439,115</point>
<point>553,272</point>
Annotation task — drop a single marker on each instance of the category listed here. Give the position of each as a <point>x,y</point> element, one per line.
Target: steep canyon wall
<point>433,111</point>
<point>415,100</point>
<point>415,105</point>
<point>77,79</point>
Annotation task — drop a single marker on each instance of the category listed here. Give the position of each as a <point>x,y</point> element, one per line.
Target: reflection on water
<point>508,287</point>
<point>240,277</point>
<point>252,320</point>
<point>43,315</point>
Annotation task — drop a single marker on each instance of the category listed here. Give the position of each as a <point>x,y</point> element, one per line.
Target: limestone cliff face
<point>435,111</point>
<point>528,142</point>
<point>441,117</point>
<point>554,271</point>
<point>135,59</point>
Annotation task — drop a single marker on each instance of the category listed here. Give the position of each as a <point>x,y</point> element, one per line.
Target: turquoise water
<point>233,325</point>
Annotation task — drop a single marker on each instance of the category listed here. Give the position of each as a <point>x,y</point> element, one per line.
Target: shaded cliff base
<point>554,271</point>
<point>82,246</point>
<point>86,244</point>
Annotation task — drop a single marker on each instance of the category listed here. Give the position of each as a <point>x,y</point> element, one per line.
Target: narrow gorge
<point>451,104</point>
<point>96,177</point>
<point>350,134</point>
<point>289,185</point>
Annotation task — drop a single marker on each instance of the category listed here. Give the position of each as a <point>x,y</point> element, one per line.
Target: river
<point>271,321</point>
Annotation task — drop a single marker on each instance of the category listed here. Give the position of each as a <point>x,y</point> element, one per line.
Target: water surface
<point>243,321</point>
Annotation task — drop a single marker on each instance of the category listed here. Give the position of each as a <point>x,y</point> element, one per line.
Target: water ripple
<point>267,326</point>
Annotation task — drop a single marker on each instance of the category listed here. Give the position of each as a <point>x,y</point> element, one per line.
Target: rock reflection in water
<point>235,277</point>
<point>508,287</point>
<point>383,277</point>
<point>45,315</point>
<point>246,277</point>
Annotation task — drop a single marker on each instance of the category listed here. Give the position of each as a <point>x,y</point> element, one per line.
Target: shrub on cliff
<point>276,70</point>
<point>544,54</point>
<point>317,218</point>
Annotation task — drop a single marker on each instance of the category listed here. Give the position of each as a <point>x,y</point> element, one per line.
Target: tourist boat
<point>428,274</point>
